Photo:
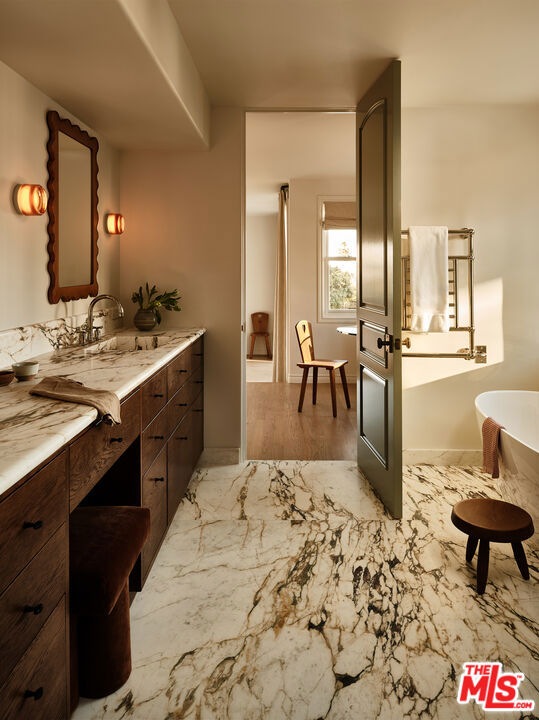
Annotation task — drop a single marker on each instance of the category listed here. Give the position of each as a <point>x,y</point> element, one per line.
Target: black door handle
<point>34,525</point>
<point>35,609</point>
<point>385,343</point>
<point>36,694</point>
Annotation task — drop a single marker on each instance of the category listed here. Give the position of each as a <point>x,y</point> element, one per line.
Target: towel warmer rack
<point>478,353</point>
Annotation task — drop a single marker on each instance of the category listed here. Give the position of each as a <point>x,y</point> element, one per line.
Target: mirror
<point>72,227</point>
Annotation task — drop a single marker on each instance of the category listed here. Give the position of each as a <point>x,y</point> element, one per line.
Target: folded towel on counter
<point>105,402</point>
<point>491,438</point>
<point>429,284</point>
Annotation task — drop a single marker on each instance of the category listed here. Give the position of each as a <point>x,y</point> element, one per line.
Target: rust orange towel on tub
<point>491,439</point>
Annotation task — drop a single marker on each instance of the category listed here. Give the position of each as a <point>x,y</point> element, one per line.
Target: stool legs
<point>315,383</point>
<point>520,557</point>
<point>303,387</point>
<point>482,566</point>
<point>471,546</point>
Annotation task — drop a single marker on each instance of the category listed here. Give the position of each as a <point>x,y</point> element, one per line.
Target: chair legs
<point>268,348</point>
<point>345,386</point>
<point>333,391</point>
<point>315,383</point>
<point>303,388</point>
<point>253,338</point>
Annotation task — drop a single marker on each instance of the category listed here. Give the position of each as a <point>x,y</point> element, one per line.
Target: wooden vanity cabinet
<point>148,459</point>
<point>33,595</point>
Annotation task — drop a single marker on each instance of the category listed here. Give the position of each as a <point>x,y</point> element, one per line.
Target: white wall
<point>183,215</point>
<point>476,167</point>
<point>24,279</point>
<point>303,274</point>
<point>261,232</point>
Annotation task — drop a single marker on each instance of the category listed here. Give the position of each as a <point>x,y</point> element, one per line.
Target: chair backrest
<point>304,332</point>
<point>260,322</point>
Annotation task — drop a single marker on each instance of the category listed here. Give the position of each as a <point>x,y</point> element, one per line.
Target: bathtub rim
<point>503,431</point>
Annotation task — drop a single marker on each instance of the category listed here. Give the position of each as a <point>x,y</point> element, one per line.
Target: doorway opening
<point>300,265</point>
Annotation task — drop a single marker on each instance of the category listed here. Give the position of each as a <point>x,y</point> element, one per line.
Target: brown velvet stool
<point>104,545</point>
<point>488,520</point>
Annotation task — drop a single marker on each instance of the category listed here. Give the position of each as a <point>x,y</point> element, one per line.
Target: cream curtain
<point>279,308</point>
<point>339,215</point>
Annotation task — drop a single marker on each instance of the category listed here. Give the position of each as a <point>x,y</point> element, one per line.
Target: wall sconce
<point>30,199</point>
<point>115,224</point>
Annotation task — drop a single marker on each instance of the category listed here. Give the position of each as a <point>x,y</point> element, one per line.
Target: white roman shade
<point>338,215</point>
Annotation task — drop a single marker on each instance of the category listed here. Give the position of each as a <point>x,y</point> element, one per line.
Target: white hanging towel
<point>429,285</point>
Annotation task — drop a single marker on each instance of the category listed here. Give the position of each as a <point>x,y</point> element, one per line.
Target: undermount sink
<point>127,343</point>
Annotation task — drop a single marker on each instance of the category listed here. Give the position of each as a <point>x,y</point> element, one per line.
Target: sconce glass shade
<point>30,199</point>
<point>115,224</point>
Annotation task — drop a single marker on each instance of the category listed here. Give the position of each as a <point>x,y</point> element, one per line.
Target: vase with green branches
<point>151,306</point>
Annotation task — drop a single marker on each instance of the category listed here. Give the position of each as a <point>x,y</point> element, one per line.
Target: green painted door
<point>379,388</point>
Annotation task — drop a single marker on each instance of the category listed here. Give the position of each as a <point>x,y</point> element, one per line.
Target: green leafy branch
<point>168,300</point>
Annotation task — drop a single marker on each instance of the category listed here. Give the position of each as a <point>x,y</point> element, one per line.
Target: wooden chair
<point>304,332</point>
<point>260,329</point>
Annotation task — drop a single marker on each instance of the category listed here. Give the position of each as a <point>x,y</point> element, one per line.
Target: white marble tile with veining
<point>32,428</point>
<point>283,590</point>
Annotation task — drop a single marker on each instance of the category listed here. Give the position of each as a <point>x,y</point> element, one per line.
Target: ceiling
<point>99,60</point>
<point>144,72</point>
<point>326,53</point>
<point>295,145</point>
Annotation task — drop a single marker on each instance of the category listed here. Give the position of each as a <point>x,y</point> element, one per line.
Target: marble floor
<point>283,590</point>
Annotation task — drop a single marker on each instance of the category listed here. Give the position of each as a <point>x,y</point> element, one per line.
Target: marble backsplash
<point>29,341</point>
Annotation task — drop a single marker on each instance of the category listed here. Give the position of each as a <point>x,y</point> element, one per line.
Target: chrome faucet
<point>93,333</point>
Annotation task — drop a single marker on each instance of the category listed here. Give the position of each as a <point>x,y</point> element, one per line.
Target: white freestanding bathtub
<point>518,412</point>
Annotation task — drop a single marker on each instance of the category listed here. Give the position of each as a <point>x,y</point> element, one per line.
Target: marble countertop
<point>34,428</point>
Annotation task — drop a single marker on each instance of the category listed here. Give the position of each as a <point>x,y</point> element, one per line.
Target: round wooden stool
<point>487,520</point>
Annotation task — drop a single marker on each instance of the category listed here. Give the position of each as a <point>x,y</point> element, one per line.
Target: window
<point>337,277</point>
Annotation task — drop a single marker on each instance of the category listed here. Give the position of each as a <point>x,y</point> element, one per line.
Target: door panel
<point>373,266</point>
<point>379,318</point>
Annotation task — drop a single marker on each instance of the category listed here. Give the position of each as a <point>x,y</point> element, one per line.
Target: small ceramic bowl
<point>25,370</point>
<point>6,376</point>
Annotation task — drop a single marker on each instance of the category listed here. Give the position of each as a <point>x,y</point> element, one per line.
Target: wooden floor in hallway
<point>276,431</point>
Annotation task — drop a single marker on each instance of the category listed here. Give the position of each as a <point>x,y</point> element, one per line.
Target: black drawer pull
<point>159,479</point>
<point>182,404</point>
<point>118,439</point>
<point>198,410</point>
<point>159,395</point>
<point>199,382</point>
<point>34,525</point>
<point>35,609</point>
<point>198,354</point>
<point>36,694</point>
<point>180,371</point>
<point>183,437</point>
<point>157,437</point>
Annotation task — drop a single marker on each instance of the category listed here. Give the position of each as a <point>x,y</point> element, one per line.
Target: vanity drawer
<point>93,454</point>
<point>197,429</point>
<point>30,516</point>
<point>196,383</point>
<point>197,354</point>
<point>178,371</point>
<point>153,439</point>
<point>41,670</point>
<point>31,598</point>
<point>154,396</point>
<point>179,456</point>
<point>154,496</point>
<point>178,406</point>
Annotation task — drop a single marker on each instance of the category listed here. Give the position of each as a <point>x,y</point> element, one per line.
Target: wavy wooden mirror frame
<point>56,293</point>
